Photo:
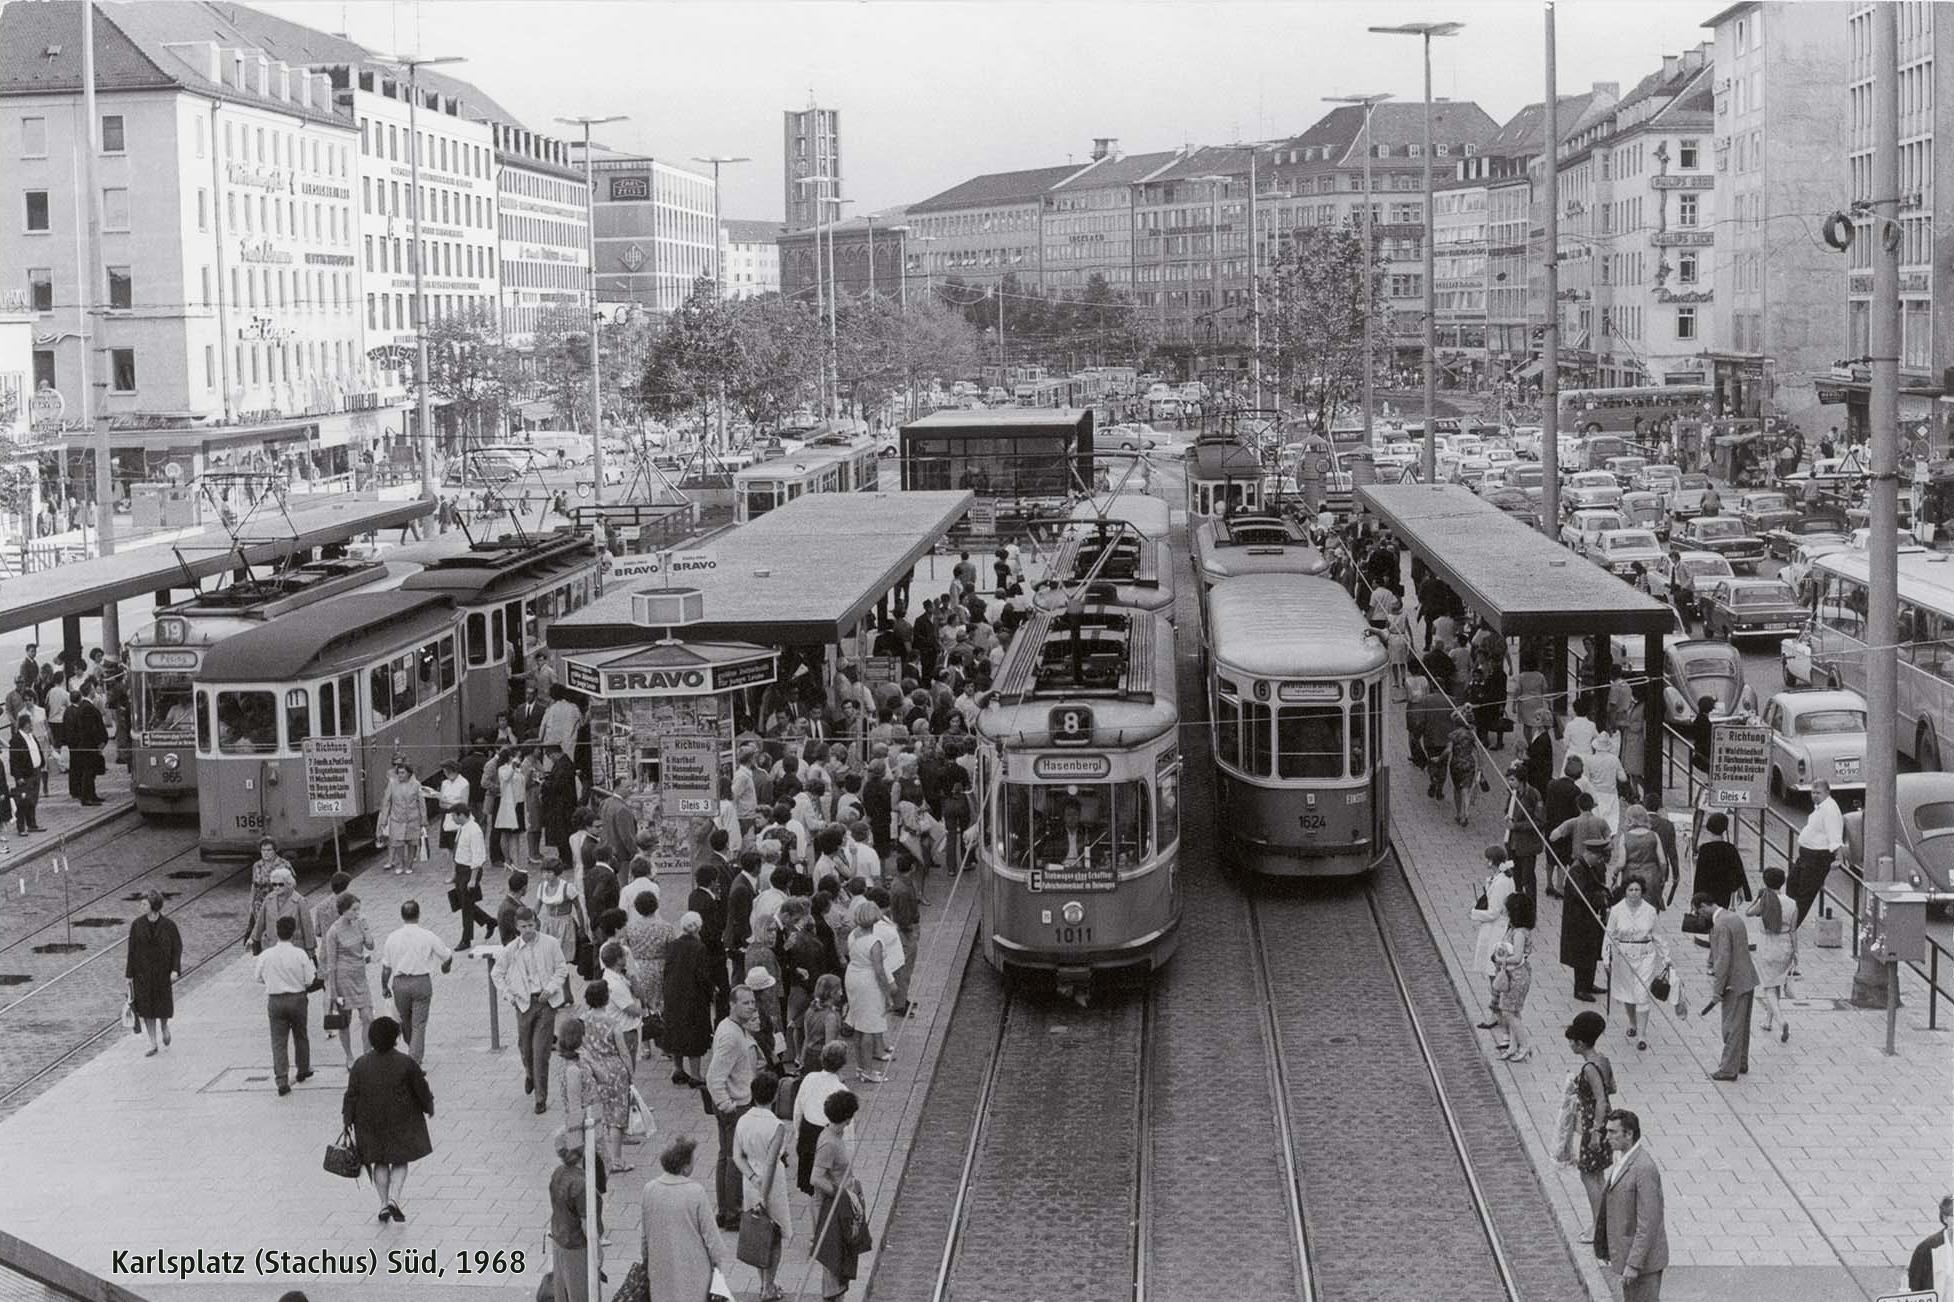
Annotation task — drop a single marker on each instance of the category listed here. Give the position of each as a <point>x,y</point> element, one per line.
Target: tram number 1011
<point>1073,935</point>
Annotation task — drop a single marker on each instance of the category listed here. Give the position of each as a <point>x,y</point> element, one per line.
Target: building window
<point>37,216</point>
<point>1687,155</point>
<point>1686,268</point>
<point>112,135</point>
<point>1685,323</point>
<point>33,137</point>
<point>40,288</point>
<point>43,369</point>
<point>115,209</point>
<point>122,293</point>
<point>1686,210</point>
<point>210,367</point>
<point>203,210</point>
<point>122,370</point>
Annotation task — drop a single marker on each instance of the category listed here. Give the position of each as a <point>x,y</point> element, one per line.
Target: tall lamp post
<point>1369,103</point>
<point>596,388</point>
<point>414,63</point>
<point>719,228</point>
<point>1427,31</point>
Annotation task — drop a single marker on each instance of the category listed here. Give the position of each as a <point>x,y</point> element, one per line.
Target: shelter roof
<point>1026,419</point>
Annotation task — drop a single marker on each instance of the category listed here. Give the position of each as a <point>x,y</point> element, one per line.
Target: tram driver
<point>1071,840</point>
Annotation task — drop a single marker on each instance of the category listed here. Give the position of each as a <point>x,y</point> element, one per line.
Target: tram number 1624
<point>1313,822</point>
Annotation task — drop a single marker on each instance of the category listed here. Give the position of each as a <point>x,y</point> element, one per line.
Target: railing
<point>39,556</point>
<point>1775,843</point>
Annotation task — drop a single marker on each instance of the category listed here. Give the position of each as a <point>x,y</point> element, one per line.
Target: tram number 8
<point>1071,725</point>
<point>1074,935</point>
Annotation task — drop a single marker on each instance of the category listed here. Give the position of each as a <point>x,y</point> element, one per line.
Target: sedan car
<point>1700,667</point>
<point>1686,498</point>
<point>1794,570</point>
<point>1657,477</point>
<point>1516,504</point>
<point>1735,608</point>
<point>1529,478</point>
<point>1797,661</point>
<point>1581,528</point>
<point>1764,511</point>
<point>1619,550</point>
<point>1689,569</point>
<point>1924,837</point>
<point>1721,534</point>
<point>1815,524</point>
<point>1591,488</point>
<point>1498,455</point>
<point>1816,735</point>
<point>1644,511</point>
<point>1624,469</point>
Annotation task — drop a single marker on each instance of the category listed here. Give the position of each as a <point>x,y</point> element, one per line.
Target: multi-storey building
<point>750,253</point>
<point>1087,220</point>
<point>542,231</point>
<point>1779,72</point>
<point>1191,255</point>
<point>1638,233</point>
<point>229,333</point>
<point>1459,245</point>
<point>983,229</point>
<point>656,232</point>
<point>867,257</point>
<point>810,165</point>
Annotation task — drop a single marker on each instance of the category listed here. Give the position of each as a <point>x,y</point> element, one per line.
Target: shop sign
<point>628,188</point>
<point>45,410</point>
<point>260,178</point>
<point>325,191</point>
<point>1672,182</point>
<point>1682,239</point>
<point>329,259</point>
<point>742,673</point>
<point>580,677</point>
<point>688,774</point>
<point>1683,295</point>
<point>331,788</point>
<point>261,251</point>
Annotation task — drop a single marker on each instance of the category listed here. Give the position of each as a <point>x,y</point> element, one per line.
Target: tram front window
<point>1092,824</point>
<point>1309,741</point>
<point>247,723</point>
<point>164,702</point>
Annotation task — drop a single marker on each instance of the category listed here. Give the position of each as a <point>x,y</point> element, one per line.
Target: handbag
<point>129,1019</point>
<point>1694,924</point>
<point>1660,987</point>
<point>341,1157</point>
<point>337,1017</point>
<point>855,1234</point>
<point>653,1028</point>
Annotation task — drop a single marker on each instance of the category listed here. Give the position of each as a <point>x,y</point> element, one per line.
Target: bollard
<point>495,1010</point>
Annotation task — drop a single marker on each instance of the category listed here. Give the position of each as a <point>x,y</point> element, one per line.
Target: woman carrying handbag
<point>759,1152</point>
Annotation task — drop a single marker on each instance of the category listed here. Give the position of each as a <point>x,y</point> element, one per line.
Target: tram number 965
<point>1313,822</point>
<point>1073,935</point>
<point>249,822</point>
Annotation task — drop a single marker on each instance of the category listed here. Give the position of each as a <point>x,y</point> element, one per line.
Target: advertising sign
<point>689,773</point>
<point>580,677</point>
<point>332,788</point>
<point>1740,757</point>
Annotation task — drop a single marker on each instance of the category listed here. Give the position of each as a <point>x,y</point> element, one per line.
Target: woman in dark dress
<point>387,1104</point>
<point>1719,868</point>
<point>559,804</point>
<point>155,959</point>
<point>688,1001</point>
<point>1581,911</point>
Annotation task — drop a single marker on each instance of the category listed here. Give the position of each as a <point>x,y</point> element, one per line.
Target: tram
<point>165,656</point>
<point>1080,774</point>
<point>829,463</point>
<point>509,592</point>
<point>1295,681</point>
<point>1249,543</point>
<point>381,671</point>
<point>1120,564</point>
<point>1224,473</point>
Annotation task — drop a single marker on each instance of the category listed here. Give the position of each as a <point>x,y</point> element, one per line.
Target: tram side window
<point>1227,730</point>
<point>203,722</point>
<point>1167,807</point>
<point>247,723</point>
<point>532,630</point>
<point>427,667</point>
<point>447,658</point>
<point>478,639</point>
<point>349,695</point>
<point>1094,824</point>
<point>298,717</point>
<point>1257,760</point>
<point>497,643</point>
<point>329,709</point>
<point>380,690</point>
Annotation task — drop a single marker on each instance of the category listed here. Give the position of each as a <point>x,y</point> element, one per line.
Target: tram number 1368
<point>254,822</point>
<point>1073,935</point>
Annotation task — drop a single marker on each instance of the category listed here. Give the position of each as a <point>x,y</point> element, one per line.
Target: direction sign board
<point>1740,757</point>
<point>332,788</point>
<point>1925,1295</point>
<point>983,515</point>
<point>688,773</point>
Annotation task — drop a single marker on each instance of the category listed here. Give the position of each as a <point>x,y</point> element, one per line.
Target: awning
<point>1530,370</point>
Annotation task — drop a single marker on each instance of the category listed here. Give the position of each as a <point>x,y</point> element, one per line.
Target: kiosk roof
<point>1522,581</point>
<point>801,575</point>
<point>1005,420</point>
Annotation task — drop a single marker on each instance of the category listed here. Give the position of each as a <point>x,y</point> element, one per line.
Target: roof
<point>1006,420</point>
<point>1454,122</point>
<point>994,189</point>
<point>1208,160</point>
<point>801,575</point>
<point>290,645</point>
<point>131,50</point>
<point>1257,625</point>
<point>506,567</point>
<point>746,232</point>
<point>1128,169</point>
<point>1522,581</point>
<point>84,587</point>
<point>1722,16</point>
<point>1526,131</point>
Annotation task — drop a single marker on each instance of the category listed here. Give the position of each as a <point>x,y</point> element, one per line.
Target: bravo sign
<point>663,565</point>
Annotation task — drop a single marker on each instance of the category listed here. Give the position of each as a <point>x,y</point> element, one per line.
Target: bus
<point>1639,411</point>
<point>827,463</point>
<point>1837,636</point>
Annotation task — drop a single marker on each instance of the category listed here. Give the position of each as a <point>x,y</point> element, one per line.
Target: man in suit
<point>737,925</point>
<point>1631,1237</point>
<point>88,735</point>
<point>26,762</point>
<point>1733,981</point>
<point>527,720</point>
<point>1563,801</point>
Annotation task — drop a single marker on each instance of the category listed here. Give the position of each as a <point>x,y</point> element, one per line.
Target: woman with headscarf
<point>1777,948</point>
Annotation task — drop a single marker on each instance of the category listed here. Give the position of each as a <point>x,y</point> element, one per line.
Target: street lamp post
<point>1369,103</point>
<point>414,63</point>
<point>596,388</point>
<point>1427,31</point>
<point>719,228</point>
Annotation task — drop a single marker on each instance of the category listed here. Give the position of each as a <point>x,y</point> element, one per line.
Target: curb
<point>101,817</point>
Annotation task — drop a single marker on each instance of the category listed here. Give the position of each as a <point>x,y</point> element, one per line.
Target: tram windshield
<point>1079,825</point>
<point>164,702</point>
<point>247,723</point>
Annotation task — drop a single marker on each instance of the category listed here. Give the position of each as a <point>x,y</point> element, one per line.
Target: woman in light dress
<point>1397,637</point>
<point>1513,976</point>
<point>760,1156</point>
<point>343,955</point>
<point>559,906</point>
<point>1604,777</point>
<point>1578,736</point>
<point>1777,949</point>
<point>509,823</point>
<point>1636,955</point>
<point>1492,923</point>
<point>867,983</point>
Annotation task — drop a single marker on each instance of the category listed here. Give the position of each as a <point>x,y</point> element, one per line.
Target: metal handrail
<point>1772,854</point>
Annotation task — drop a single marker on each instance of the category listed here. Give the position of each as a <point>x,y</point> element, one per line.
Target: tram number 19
<point>1074,935</point>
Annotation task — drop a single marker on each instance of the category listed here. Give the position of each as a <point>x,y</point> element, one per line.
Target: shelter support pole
<point>71,644</point>
<point>1652,722</point>
<point>1557,674</point>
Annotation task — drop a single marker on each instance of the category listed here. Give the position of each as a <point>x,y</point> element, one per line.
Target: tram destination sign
<point>1740,756</point>
<point>332,788</point>
<point>1074,879</point>
<point>688,770</point>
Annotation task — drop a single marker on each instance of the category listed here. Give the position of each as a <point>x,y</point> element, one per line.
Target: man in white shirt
<point>407,963</point>
<point>287,972</point>
<point>560,723</point>
<point>533,976</point>
<point>471,857</point>
<point>746,798</point>
<point>811,1109</point>
<point>861,852</point>
<point>1820,842</point>
<point>453,799</point>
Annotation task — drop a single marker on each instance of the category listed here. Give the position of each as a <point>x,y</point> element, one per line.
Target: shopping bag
<point>720,1291</point>
<point>342,1158</point>
<point>641,1122</point>
<point>129,1020</point>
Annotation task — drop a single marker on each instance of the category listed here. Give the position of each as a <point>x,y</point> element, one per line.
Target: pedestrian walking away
<point>1631,1236</point>
<point>387,1104</point>
<point>1777,951</point>
<point>570,1245</point>
<point>408,961</point>
<point>1733,981</point>
<point>287,973</point>
<point>681,1246</point>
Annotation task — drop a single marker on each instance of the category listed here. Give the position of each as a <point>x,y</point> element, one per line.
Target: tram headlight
<point>1074,913</point>
<point>172,761</point>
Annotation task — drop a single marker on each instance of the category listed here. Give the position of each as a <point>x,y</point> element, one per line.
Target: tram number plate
<point>1074,935</point>
<point>249,822</point>
<point>1313,822</point>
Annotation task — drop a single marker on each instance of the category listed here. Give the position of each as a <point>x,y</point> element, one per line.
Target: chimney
<point>1696,58</point>
<point>1104,147</point>
<point>1608,89</point>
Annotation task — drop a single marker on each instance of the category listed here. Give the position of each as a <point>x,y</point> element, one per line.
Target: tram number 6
<point>1071,724</point>
<point>1074,935</point>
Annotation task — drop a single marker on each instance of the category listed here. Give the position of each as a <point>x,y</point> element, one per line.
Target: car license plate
<point>1846,770</point>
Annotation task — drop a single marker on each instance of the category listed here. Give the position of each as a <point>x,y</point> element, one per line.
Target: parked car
<point>1816,735</point>
<point>1794,570</point>
<point>1619,550</point>
<point>1468,445</point>
<point>1764,511</point>
<point>1817,523</point>
<point>1500,455</point>
<point>1471,472</point>
<point>1796,662</point>
<point>1529,478</point>
<point>1734,608</point>
<point>1591,488</point>
<point>1697,667</point>
<point>1624,469</point>
<point>1581,528</point>
<point>1686,498</point>
<point>1624,649</point>
<point>1722,534</point>
<point>1924,835</point>
<point>1123,438</point>
<point>1687,570</point>
<point>1516,504</point>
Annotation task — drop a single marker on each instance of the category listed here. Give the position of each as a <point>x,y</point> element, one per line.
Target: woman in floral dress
<point>608,1061</point>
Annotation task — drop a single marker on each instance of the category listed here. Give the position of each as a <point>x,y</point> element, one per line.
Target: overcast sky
<point>934,91</point>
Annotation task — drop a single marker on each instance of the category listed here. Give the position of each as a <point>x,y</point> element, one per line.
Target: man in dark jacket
<point>26,761</point>
<point>88,734</point>
<point>1563,802</point>
<point>1431,720</point>
<point>1921,1273</point>
<point>1525,821</point>
<point>738,925</point>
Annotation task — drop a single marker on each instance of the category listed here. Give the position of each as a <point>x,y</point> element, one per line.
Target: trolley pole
<point>596,384</point>
<point>93,410</point>
<point>1369,103</point>
<point>1550,327</point>
<point>1873,981</point>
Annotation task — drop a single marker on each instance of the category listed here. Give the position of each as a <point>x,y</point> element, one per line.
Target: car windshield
<point>1600,523</point>
<point>1711,664</point>
<point>1660,472</point>
<point>1630,541</point>
<point>1594,479</point>
<point>1719,529</point>
<point>1695,479</point>
<point>1819,723</point>
<point>1770,502</point>
<point>1772,594</point>
<point>1524,476</point>
<point>1706,566</point>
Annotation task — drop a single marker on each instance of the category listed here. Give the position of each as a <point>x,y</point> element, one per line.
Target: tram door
<point>1380,780</point>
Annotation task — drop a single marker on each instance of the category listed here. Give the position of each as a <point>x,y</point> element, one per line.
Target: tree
<point>468,370</point>
<point>695,357</point>
<point>560,358</point>
<point>778,344</point>
<point>1314,299</point>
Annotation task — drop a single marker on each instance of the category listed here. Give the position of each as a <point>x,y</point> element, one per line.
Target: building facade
<point>868,255</point>
<point>810,164</point>
<point>1460,241</point>
<point>542,232</point>
<point>750,254</point>
<point>656,233</point>
<point>1087,224</point>
<point>983,229</point>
